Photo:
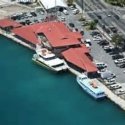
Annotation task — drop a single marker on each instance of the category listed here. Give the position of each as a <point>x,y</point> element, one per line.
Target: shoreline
<point>110,95</point>
<point>9,36</point>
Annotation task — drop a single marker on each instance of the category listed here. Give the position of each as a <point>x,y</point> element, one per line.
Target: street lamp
<point>82,7</point>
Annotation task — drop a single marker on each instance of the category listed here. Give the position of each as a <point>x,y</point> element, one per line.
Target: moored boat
<point>90,87</point>
<point>46,58</point>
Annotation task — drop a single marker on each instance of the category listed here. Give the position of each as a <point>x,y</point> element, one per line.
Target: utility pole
<point>82,8</point>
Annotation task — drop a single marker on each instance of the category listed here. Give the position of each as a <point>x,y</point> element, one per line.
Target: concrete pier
<point>114,98</point>
<point>10,36</point>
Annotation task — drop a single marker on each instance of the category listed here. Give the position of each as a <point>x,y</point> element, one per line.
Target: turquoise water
<point>32,95</point>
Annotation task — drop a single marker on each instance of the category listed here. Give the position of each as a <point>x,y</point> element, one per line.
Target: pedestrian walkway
<point>114,98</point>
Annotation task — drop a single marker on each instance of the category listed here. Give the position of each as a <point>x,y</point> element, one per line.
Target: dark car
<point>99,16</point>
<point>33,14</point>
<point>116,16</point>
<point>71,25</point>
<point>23,23</point>
<point>113,29</point>
<point>28,22</point>
<point>82,32</point>
<point>103,43</point>
<point>117,56</point>
<point>108,50</point>
<point>122,65</point>
<point>95,33</point>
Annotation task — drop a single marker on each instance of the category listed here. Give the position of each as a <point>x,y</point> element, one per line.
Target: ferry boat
<point>46,58</point>
<point>90,87</point>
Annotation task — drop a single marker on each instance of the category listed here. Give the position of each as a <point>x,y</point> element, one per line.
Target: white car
<point>75,11</point>
<point>109,15</point>
<point>63,18</point>
<point>111,80</point>
<point>65,12</point>
<point>88,41</point>
<point>118,61</point>
<point>87,45</point>
<point>101,65</point>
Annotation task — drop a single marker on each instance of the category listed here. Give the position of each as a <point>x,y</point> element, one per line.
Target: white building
<point>50,4</point>
<point>25,1</point>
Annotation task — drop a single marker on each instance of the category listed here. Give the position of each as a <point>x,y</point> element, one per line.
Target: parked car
<point>82,32</point>
<point>33,14</point>
<point>99,16</point>
<point>65,12</point>
<point>122,65</point>
<point>115,86</point>
<point>88,41</point>
<point>117,56</point>
<point>107,75</point>
<point>108,47</point>
<point>75,11</point>
<point>113,29</point>
<point>103,42</point>
<point>119,61</point>
<point>63,18</point>
<point>117,17</point>
<point>71,25</point>
<point>101,65</point>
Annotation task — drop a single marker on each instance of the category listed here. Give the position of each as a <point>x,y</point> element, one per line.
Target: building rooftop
<point>78,57</point>
<point>26,33</point>
<point>53,3</point>
<point>8,22</point>
<point>57,33</point>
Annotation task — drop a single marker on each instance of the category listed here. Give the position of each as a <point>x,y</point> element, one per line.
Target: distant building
<point>53,4</point>
<point>25,1</point>
<point>57,37</point>
<point>7,25</point>
<point>53,35</point>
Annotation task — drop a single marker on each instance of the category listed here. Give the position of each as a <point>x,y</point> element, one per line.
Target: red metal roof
<point>26,33</point>
<point>59,35</point>
<point>8,22</point>
<point>78,57</point>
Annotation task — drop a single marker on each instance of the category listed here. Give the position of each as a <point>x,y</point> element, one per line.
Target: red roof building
<point>78,57</point>
<point>26,33</point>
<point>57,34</point>
<point>4,23</point>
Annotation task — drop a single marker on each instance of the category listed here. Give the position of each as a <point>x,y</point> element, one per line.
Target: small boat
<point>91,87</point>
<point>46,58</point>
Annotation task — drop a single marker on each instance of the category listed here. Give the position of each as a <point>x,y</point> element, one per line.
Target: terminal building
<point>53,5</point>
<point>7,25</point>
<point>58,38</point>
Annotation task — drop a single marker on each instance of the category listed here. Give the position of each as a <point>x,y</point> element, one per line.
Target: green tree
<point>117,40</point>
<point>93,24</point>
<point>70,2</point>
<point>116,2</point>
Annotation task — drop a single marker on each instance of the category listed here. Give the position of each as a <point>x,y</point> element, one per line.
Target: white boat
<point>90,87</point>
<point>48,59</point>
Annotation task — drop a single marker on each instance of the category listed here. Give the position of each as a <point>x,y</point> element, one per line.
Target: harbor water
<point>32,95</point>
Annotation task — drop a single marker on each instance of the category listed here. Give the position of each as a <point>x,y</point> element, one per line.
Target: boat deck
<point>116,99</point>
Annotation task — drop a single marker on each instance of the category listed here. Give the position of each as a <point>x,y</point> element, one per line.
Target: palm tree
<point>117,40</point>
<point>70,2</point>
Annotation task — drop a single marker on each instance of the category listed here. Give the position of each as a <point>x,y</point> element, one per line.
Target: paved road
<point>95,7</point>
<point>97,51</point>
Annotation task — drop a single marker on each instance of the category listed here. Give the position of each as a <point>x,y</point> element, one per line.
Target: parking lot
<point>71,18</point>
<point>97,51</point>
<point>30,17</point>
<point>10,9</point>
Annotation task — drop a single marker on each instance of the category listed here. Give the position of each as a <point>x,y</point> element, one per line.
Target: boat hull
<point>44,65</point>
<point>87,90</point>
